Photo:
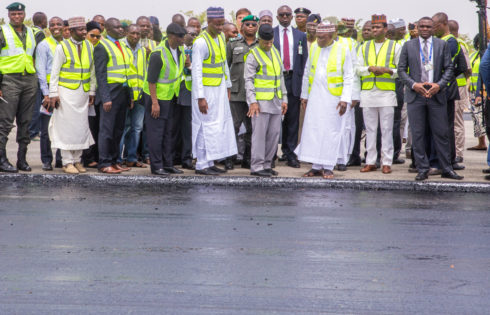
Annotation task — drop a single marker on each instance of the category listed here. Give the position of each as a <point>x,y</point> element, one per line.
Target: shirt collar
<point>138,45</point>
<point>289,28</point>
<point>76,42</point>
<point>429,40</point>
<point>111,38</point>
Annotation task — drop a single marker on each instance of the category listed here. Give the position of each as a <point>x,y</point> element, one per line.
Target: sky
<point>464,11</point>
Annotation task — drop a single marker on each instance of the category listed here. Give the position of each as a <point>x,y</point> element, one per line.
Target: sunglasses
<point>193,34</point>
<point>250,24</point>
<point>285,14</point>
<point>95,36</point>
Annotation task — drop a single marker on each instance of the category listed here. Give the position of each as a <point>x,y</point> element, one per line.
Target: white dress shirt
<point>289,31</point>
<point>431,57</point>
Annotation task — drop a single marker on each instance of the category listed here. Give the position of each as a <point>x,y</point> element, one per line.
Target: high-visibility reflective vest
<point>267,80</point>
<point>446,38</point>
<point>348,41</point>
<point>13,57</point>
<point>152,44</point>
<point>384,58</point>
<point>461,79</point>
<point>335,67</point>
<point>76,70</point>
<point>52,43</point>
<point>138,73</point>
<point>118,66</point>
<point>475,66</point>
<point>407,37</point>
<point>213,68</point>
<point>168,84</point>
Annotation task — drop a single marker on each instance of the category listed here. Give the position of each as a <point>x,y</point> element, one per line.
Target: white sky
<point>464,11</point>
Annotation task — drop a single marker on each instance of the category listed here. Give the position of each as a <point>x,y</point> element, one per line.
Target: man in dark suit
<point>431,69</point>
<point>293,46</point>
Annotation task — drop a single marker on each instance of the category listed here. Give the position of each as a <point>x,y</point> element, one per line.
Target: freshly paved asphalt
<point>95,249</point>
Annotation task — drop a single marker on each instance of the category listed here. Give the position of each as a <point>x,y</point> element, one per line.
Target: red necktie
<point>119,46</point>
<point>285,53</point>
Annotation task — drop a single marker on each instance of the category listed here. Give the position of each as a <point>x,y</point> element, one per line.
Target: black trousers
<point>359,119</point>
<point>182,133</point>
<point>92,153</point>
<point>428,111</point>
<point>290,124</point>
<point>159,133</point>
<point>45,143</point>
<point>111,127</point>
<point>239,112</point>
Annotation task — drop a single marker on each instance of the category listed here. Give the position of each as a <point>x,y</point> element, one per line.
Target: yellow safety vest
<point>384,58</point>
<point>138,73</point>
<point>152,44</point>
<point>76,70</point>
<point>347,41</point>
<point>461,79</point>
<point>118,66</point>
<point>335,67</point>
<point>52,43</point>
<point>168,84</point>
<point>267,80</point>
<point>446,38</point>
<point>13,57</point>
<point>475,65</point>
<point>213,68</point>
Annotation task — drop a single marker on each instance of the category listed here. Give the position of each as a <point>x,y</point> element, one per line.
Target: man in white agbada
<point>326,92</point>
<point>213,134</point>
<point>71,92</point>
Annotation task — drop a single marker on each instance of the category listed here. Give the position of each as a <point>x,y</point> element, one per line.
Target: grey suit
<point>423,111</point>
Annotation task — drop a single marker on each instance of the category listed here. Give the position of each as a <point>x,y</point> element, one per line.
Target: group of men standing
<point>198,91</point>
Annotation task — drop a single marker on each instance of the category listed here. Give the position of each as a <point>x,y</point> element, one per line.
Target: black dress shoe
<point>273,164</point>
<point>58,164</point>
<point>273,173</point>
<point>487,177</point>
<point>6,167</point>
<point>398,161</point>
<point>173,170</point>
<point>207,171</point>
<point>188,166</point>
<point>452,175</point>
<point>341,167</point>
<point>245,164</point>
<point>23,166</point>
<point>262,173</point>
<point>229,164</point>
<point>458,167</point>
<point>294,163</point>
<point>283,158</point>
<point>47,167</point>
<point>458,159</point>
<point>160,172</point>
<point>217,169</point>
<point>354,162</point>
<point>422,176</point>
<point>486,171</point>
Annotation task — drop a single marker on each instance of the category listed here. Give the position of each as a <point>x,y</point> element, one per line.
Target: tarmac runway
<point>102,249</point>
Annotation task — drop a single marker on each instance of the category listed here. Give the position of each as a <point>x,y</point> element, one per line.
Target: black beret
<point>266,32</point>
<point>176,29</point>
<point>93,25</point>
<point>302,10</point>
<point>316,18</point>
<point>16,6</point>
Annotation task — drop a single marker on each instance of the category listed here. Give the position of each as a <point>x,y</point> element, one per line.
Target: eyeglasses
<point>193,34</point>
<point>285,14</point>
<point>95,36</point>
<point>250,24</point>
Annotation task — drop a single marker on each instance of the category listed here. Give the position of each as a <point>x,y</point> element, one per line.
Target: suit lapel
<point>295,44</point>
<point>277,42</point>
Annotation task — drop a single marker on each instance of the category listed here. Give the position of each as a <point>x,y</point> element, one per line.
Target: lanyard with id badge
<point>428,66</point>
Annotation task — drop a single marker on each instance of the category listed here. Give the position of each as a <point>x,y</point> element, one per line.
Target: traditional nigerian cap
<point>154,20</point>
<point>265,13</point>
<point>266,32</point>
<point>378,18</point>
<point>302,10</point>
<point>349,22</point>
<point>16,6</point>
<point>78,21</point>
<point>314,18</point>
<point>215,13</point>
<point>398,23</point>
<point>325,27</point>
<point>342,28</point>
<point>176,29</point>
<point>252,18</point>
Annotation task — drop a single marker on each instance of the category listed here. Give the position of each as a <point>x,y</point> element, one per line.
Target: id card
<point>428,67</point>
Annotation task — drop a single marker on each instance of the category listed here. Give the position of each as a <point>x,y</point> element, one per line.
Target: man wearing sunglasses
<point>293,46</point>
<point>236,52</point>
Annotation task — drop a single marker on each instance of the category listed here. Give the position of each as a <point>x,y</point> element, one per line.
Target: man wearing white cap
<point>326,93</point>
<point>213,134</point>
<point>71,92</point>
<point>265,17</point>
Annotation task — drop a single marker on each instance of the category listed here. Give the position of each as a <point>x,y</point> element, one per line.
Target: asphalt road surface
<point>205,250</point>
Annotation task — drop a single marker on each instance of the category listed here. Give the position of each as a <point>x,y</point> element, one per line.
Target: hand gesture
<point>253,110</point>
<point>203,106</point>
<point>343,108</point>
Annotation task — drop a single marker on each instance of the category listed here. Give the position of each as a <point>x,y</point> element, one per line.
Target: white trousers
<point>384,117</point>
<point>325,167</point>
<point>201,162</point>
<point>71,156</point>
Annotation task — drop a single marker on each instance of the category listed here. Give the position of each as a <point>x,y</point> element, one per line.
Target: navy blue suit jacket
<point>299,60</point>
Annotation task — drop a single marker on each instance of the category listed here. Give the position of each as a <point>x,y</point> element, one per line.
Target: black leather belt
<point>287,73</point>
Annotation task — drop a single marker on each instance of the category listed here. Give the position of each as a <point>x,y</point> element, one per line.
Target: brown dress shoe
<point>386,169</point>
<point>121,168</point>
<point>109,170</point>
<point>368,168</point>
<point>136,164</point>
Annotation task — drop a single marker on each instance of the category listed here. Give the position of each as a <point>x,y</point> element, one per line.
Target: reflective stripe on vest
<point>461,79</point>
<point>384,58</point>
<point>267,80</point>
<point>168,83</point>
<point>213,68</point>
<point>118,66</point>
<point>76,70</point>
<point>138,73</point>
<point>446,38</point>
<point>335,67</point>
<point>348,41</point>
<point>475,66</point>
<point>13,57</point>
<point>52,43</point>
